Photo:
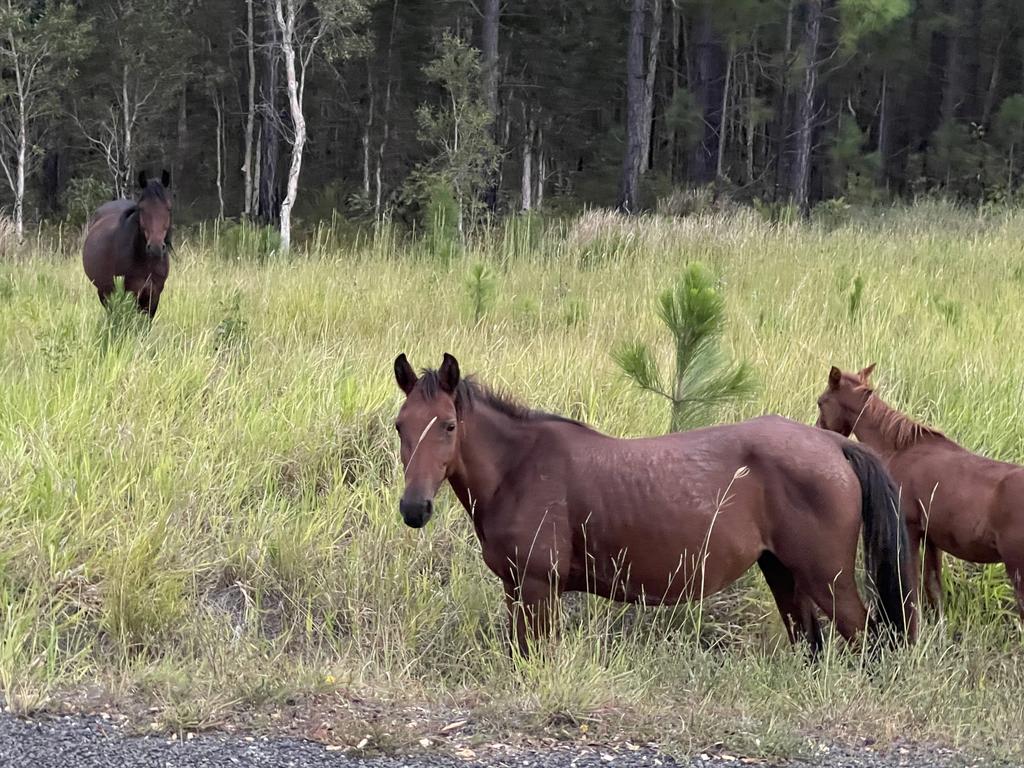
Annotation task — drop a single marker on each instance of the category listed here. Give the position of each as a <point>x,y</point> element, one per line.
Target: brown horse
<point>560,507</point>
<point>955,500</point>
<point>131,239</point>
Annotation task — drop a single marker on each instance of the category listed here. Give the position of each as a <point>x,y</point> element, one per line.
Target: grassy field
<point>199,521</point>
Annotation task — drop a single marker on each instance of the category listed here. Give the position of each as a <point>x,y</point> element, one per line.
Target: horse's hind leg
<point>798,612</point>
<point>1015,571</point>
<point>836,594</point>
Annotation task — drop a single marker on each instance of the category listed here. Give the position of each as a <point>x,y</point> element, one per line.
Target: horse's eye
<point>450,426</point>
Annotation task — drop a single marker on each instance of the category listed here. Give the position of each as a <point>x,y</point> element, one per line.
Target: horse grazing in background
<point>131,239</point>
<point>558,506</point>
<point>955,500</point>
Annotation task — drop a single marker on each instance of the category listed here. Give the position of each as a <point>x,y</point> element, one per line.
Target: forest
<point>403,108</point>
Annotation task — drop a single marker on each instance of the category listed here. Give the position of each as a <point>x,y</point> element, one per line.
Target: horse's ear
<point>165,179</point>
<point>865,372</point>
<point>405,376</point>
<point>142,180</point>
<point>448,374</point>
<point>834,377</point>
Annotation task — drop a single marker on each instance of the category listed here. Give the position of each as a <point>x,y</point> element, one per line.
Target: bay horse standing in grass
<point>131,239</point>
<point>955,501</point>
<point>558,506</point>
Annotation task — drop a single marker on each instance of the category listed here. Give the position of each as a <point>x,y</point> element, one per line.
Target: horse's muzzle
<point>416,513</point>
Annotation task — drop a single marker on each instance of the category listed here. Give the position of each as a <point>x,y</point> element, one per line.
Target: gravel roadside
<point>86,742</point>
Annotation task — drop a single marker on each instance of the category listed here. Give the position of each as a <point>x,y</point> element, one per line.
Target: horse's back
<point>112,208</point>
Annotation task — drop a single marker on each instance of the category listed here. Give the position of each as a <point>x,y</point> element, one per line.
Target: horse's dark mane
<point>469,393</point>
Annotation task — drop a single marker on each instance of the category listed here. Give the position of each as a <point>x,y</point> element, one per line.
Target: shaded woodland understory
<point>417,108</point>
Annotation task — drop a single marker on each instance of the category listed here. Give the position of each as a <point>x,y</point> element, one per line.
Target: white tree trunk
<point>527,182</point>
<point>367,129</point>
<point>218,107</point>
<point>386,128</point>
<point>125,182</point>
<point>250,120</point>
<point>542,170</point>
<point>286,23</point>
<point>19,184</point>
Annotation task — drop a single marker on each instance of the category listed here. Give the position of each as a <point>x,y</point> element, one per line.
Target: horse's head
<point>428,428</point>
<point>844,399</point>
<point>154,208</point>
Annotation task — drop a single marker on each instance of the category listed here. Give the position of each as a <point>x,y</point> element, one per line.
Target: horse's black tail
<point>886,543</point>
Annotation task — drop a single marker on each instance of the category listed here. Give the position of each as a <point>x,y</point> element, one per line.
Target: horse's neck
<point>491,445</point>
<point>874,426</point>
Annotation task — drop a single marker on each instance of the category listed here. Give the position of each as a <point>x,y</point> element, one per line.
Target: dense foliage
<point>773,101</point>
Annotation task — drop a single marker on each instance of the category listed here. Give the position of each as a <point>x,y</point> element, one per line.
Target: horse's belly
<point>666,570</point>
<point>956,525</point>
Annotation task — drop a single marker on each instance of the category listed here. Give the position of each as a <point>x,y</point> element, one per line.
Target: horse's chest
<point>517,541</point>
<point>154,271</point>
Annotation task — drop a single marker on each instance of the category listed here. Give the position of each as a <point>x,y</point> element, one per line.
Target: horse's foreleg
<point>933,576</point>
<point>104,291</point>
<point>529,605</point>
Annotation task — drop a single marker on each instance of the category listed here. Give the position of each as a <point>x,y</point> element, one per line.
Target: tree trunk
<point>248,181</point>
<point>673,139</point>
<point>125,182</point>
<point>629,188</point>
<point>182,147</point>
<point>542,170</point>
<point>993,82</point>
<point>649,82</point>
<point>19,189</point>
<point>367,129</point>
<point>386,128</point>
<point>489,39</point>
<point>266,211</point>
<point>751,120</point>
<point>883,132</point>
<point>708,91</point>
<point>805,109</point>
<point>782,110</point>
<point>720,160</point>
<point>527,181</point>
<point>286,23</point>
<point>218,108</point>
<point>953,71</point>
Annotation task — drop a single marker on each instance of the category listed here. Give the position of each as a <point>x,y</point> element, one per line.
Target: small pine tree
<point>694,313</point>
<point>481,289</point>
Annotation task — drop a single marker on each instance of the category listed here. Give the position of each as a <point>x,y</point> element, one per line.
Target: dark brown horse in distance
<point>955,500</point>
<point>558,506</point>
<point>131,239</point>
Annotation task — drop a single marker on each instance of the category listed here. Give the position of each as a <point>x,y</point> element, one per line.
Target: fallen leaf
<point>454,726</point>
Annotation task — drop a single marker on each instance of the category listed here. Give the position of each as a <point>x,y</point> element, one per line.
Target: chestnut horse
<point>131,239</point>
<point>955,500</point>
<point>558,506</point>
